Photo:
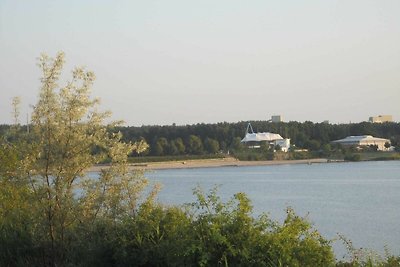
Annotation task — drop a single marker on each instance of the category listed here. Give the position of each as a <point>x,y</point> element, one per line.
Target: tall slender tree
<point>70,136</point>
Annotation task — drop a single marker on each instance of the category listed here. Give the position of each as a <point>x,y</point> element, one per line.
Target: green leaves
<point>296,243</point>
<point>69,135</point>
<point>228,234</point>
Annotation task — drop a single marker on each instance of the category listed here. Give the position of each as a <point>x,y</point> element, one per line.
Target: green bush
<point>254,154</point>
<point>300,155</point>
<point>207,232</point>
<point>210,232</point>
<point>352,157</point>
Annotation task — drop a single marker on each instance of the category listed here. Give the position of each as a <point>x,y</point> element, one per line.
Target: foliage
<point>210,232</point>
<point>300,155</point>
<point>211,145</point>
<point>306,135</point>
<point>52,213</point>
<point>315,137</point>
<point>352,157</point>
<point>39,192</point>
<point>195,145</point>
<point>265,152</point>
<point>359,257</point>
<point>16,220</point>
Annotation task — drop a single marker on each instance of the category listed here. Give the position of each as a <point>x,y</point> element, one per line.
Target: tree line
<point>222,137</point>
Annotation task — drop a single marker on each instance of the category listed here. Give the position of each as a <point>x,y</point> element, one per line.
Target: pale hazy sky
<point>184,62</point>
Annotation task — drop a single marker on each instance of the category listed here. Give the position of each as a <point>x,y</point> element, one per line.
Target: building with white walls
<point>363,140</point>
<point>381,119</point>
<point>254,140</point>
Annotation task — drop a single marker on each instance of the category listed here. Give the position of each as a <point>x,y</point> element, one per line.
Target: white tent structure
<point>258,137</point>
<point>272,138</point>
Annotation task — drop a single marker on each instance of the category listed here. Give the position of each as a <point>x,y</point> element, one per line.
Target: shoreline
<point>210,163</point>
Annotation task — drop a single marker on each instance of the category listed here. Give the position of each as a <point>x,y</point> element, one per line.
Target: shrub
<point>352,157</point>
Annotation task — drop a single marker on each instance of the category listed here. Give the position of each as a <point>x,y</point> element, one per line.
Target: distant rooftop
<point>251,136</point>
<point>381,118</point>
<point>258,137</point>
<point>359,138</point>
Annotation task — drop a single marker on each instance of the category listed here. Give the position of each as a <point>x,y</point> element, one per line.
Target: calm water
<point>359,200</point>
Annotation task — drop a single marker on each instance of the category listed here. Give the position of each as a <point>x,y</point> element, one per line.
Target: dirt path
<point>209,163</point>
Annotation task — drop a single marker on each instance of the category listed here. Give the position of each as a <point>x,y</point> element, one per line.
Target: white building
<point>381,119</point>
<point>363,140</point>
<point>283,143</point>
<point>254,139</point>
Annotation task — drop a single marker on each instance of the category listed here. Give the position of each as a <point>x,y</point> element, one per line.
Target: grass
<point>371,156</point>
<point>379,155</point>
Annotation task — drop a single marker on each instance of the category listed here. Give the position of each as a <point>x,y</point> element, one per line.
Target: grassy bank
<point>372,156</point>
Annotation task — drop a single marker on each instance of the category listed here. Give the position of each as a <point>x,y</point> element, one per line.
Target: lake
<point>359,200</point>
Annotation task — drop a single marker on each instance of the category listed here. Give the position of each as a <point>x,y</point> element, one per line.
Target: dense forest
<point>200,139</point>
<point>224,137</point>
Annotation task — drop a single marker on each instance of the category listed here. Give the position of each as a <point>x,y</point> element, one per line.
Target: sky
<point>187,62</point>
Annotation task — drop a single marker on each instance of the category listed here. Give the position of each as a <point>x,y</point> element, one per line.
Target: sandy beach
<point>210,163</point>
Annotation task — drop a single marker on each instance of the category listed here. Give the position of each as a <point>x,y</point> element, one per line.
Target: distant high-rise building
<point>381,119</point>
<point>276,118</point>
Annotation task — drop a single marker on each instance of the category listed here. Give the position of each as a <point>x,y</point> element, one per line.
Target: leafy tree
<point>313,145</point>
<point>226,234</point>
<point>301,139</point>
<point>180,146</point>
<point>326,149</point>
<point>266,147</point>
<point>16,219</point>
<point>295,243</point>
<point>172,148</point>
<point>8,160</point>
<point>157,236</point>
<point>195,145</point>
<point>237,145</point>
<point>66,128</point>
<point>211,145</point>
<point>161,147</point>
